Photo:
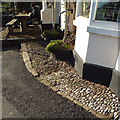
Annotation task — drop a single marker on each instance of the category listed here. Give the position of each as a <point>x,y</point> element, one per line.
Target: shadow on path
<point>31,98</point>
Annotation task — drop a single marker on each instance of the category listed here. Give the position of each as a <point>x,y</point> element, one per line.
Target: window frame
<point>98,23</point>
<point>107,28</point>
<point>51,6</point>
<point>104,20</point>
<point>79,9</point>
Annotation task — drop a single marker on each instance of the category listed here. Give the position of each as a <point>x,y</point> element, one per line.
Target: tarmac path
<point>24,97</point>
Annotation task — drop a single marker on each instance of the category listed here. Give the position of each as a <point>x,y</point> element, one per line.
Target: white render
<point>97,41</point>
<point>82,36</point>
<point>102,50</point>
<point>117,67</point>
<point>47,13</point>
<point>62,15</point>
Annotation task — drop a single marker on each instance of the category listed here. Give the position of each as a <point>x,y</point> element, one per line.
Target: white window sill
<point>103,31</point>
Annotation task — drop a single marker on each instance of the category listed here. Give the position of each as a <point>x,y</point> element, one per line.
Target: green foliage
<point>65,46</point>
<point>58,28</point>
<point>50,34</point>
<point>51,47</point>
<point>55,45</point>
<point>59,42</point>
<point>6,5</point>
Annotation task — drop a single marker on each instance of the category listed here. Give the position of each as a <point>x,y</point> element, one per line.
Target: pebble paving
<point>63,76</point>
<point>98,97</point>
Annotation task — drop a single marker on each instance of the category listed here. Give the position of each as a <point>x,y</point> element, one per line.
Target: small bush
<point>50,34</point>
<point>55,45</point>
<point>51,47</point>
<point>59,42</point>
<point>65,46</point>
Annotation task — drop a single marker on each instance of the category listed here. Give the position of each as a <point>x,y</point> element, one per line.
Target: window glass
<point>85,8</point>
<point>108,11</point>
<point>49,5</point>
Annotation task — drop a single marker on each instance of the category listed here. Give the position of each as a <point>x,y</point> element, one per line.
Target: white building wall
<point>47,13</point>
<point>47,16</point>
<point>82,36</point>
<point>102,50</point>
<point>103,42</point>
<point>117,67</point>
<point>96,41</point>
<point>62,15</point>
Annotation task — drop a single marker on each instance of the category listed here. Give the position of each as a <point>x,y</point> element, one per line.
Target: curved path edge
<point>29,67</point>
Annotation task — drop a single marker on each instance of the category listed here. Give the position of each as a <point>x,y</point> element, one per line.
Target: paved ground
<point>23,96</point>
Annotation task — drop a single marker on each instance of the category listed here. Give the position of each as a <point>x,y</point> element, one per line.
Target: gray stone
<point>112,110</point>
<point>97,107</point>
<point>95,96</point>
<point>90,98</point>
<point>116,115</point>
<point>102,110</point>
<point>114,100</point>
<point>87,96</point>
<point>113,95</point>
<point>83,98</point>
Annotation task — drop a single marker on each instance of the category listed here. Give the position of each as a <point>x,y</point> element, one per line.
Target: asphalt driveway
<point>24,97</point>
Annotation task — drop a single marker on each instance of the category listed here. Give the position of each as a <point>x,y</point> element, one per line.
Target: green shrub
<point>55,45</point>
<point>59,42</point>
<point>65,46</point>
<point>50,34</point>
<point>51,47</point>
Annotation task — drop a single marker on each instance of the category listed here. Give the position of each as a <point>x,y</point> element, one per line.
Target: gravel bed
<point>63,76</point>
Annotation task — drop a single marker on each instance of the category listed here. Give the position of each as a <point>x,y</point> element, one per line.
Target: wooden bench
<point>11,25</point>
<point>37,26</point>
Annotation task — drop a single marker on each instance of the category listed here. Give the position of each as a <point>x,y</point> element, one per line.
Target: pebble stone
<point>63,76</point>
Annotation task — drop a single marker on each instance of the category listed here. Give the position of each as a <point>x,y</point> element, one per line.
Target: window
<point>83,8</point>
<point>108,11</point>
<point>49,5</point>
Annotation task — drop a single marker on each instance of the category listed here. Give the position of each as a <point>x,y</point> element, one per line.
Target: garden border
<point>28,65</point>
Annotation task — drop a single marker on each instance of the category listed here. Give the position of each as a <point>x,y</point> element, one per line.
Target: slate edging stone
<point>27,61</point>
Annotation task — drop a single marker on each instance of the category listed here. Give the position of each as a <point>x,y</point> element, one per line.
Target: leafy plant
<point>50,34</point>
<point>55,45</point>
<point>51,47</point>
<point>59,42</point>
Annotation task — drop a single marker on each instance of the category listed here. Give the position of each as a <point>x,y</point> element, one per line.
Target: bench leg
<point>36,28</point>
<point>23,25</point>
<point>10,29</point>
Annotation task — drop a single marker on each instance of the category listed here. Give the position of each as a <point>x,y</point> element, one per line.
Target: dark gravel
<point>31,98</point>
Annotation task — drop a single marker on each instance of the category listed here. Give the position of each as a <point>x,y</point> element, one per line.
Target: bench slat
<point>11,22</point>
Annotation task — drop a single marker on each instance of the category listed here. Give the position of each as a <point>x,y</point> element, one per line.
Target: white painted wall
<point>82,36</point>
<point>46,14</point>
<point>96,41</point>
<point>62,15</point>
<point>103,41</point>
<point>117,67</point>
<point>102,50</point>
